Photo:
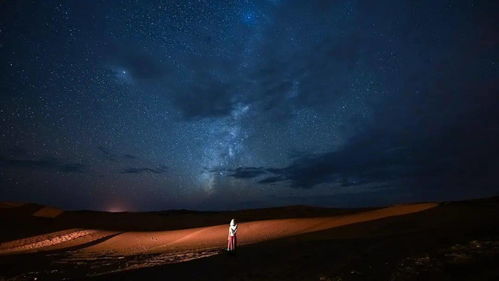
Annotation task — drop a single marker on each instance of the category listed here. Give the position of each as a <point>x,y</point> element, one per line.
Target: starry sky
<point>150,105</point>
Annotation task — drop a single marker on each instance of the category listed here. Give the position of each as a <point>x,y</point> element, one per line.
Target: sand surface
<point>201,238</point>
<point>430,241</point>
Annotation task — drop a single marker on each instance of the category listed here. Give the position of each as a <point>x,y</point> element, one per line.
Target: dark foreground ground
<point>454,241</point>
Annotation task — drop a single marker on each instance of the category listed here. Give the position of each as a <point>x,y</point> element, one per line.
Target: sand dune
<point>285,243</point>
<point>53,241</point>
<point>48,212</point>
<point>11,204</point>
<point>132,243</point>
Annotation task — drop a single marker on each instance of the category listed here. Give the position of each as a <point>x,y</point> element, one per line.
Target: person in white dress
<point>232,239</point>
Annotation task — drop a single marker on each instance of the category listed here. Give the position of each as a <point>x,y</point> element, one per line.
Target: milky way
<point>136,105</point>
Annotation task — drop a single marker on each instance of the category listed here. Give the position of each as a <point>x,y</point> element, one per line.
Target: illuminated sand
<point>194,239</point>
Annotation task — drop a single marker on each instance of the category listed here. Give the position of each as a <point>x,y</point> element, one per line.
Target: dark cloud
<point>367,158</point>
<point>73,168</point>
<point>49,163</point>
<point>114,157</point>
<point>429,150</point>
<point>129,156</point>
<point>126,157</point>
<point>247,172</point>
<point>272,180</point>
<point>159,170</point>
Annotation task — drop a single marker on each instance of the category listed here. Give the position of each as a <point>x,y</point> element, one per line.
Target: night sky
<point>149,105</point>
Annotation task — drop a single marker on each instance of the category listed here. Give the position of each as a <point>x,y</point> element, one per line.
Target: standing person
<point>232,239</point>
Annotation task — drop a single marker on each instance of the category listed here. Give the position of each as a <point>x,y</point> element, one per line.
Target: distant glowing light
<point>116,207</point>
<point>115,210</point>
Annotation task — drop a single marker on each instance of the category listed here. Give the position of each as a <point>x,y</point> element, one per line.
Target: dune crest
<point>131,243</point>
<point>209,237</point>
<point>48,212</point>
